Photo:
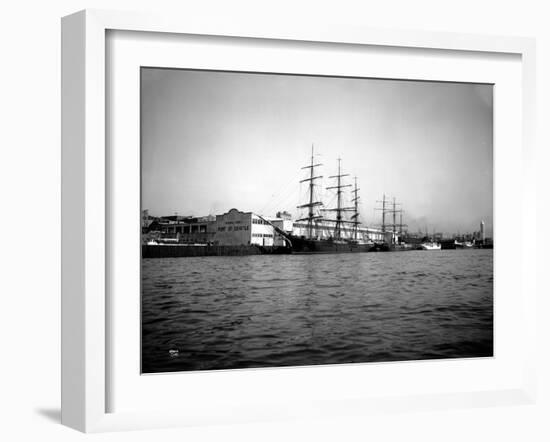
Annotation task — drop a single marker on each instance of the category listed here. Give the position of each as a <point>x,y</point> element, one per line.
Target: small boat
<point>463,245</point>
<point>431,245</point>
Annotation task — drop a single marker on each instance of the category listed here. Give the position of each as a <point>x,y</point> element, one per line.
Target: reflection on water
<point>266,311</point>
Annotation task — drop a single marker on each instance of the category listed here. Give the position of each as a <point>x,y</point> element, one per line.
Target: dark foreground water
<point>266,311</point>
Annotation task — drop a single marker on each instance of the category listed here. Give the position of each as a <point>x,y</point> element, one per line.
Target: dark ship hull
<point>305,245</point>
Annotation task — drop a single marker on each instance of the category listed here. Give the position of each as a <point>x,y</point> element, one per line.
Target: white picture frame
<point>85,199</point>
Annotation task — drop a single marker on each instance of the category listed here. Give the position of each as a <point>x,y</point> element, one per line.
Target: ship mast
<point>339,209</point>
<point>401,225</point>
<point>311,204</point>
<point>384,211</point>
<point>394,212</point>
<point>355,216</point>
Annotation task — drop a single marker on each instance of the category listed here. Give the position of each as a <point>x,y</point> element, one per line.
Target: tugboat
<point>463,245</point>
<point>430,245</point>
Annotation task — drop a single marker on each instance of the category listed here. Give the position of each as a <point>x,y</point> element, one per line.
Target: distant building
<point>284,215</point>
<point>184,229</point>
<point>242,228</point>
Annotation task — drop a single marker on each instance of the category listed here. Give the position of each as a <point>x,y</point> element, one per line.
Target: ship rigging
<point>331,220</point>
<point>311,217</point>
<point>339,210</point>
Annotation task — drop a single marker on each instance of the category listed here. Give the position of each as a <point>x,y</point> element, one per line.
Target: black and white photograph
<point>298,220</point>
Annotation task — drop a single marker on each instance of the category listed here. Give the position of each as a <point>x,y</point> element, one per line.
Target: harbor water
<point>207,313</point>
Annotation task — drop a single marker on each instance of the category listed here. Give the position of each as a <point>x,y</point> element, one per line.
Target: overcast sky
<point>212,141</point>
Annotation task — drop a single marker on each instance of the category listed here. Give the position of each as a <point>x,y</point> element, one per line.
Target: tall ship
<point>326,229</point>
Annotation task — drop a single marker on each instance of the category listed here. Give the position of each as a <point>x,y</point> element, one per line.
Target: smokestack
<point>482,231</point>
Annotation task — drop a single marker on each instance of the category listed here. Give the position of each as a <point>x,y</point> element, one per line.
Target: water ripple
<point>209,313</point>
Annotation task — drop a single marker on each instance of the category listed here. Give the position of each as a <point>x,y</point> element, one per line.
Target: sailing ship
<point>315,240</point>
<point>392,232</point>
<point>318,233</point>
